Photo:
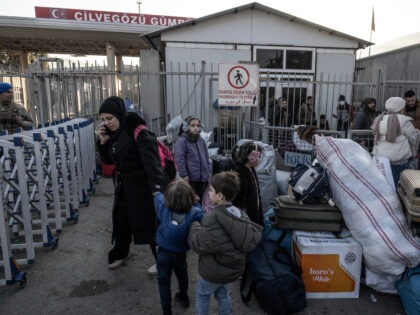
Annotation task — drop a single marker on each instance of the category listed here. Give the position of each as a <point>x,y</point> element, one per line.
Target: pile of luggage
<point>331,226</point>
<point>343,219</point>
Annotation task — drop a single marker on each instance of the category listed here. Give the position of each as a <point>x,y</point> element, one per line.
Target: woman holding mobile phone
<point>139,175</point>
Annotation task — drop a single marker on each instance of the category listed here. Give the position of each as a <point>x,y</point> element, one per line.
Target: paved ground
<point>74,278</point>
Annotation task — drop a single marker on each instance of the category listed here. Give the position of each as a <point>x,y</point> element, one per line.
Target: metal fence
<point>51,91</point>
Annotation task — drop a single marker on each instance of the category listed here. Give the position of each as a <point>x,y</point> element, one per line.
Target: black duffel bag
<point>274,279</point>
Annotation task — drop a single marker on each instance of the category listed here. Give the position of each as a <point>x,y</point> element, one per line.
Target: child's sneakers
<point>182,298</point>
<point>152,270</point>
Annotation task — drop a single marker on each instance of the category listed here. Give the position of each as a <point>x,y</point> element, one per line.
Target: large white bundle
<point>370,206</point>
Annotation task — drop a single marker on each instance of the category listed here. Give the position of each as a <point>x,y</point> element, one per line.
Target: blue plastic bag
<point>409,289</point>
<point>273,234</point>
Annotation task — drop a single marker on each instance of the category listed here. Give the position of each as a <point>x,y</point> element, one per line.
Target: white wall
<point>232,38</point>
<point>150,87</point>
<point>180,87</point>
<point>333,67</point>
<point>258,28</point>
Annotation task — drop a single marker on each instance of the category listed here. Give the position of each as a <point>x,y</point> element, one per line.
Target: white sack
<point>282,179</point>
<point>370,206</point>
<point>172,129</point>
<point>206,137</point>
<point>213,151</point>
<point>266,172</point>
<point>302,145</point>
<point>268,187</point>
<point>381,283</point>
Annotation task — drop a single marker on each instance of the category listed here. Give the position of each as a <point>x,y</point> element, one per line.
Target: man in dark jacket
<point>412,107</point>
<point>279,116</point>
<point>306,114</point>
<point>366,115</point>
<point>222,240</point>
<point>364,120</point>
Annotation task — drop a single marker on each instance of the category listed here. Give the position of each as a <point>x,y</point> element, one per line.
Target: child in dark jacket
<point>175,211</point>
<point>245,158</point>
<point>192,156</point>
<point>222,240</point>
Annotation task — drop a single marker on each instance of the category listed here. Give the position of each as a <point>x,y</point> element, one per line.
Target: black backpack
<point>274,278</point>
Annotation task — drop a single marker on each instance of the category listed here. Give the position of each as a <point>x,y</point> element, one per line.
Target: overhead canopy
<point>71,37</point>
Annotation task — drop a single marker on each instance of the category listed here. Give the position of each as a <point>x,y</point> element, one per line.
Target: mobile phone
<point>107,131</point>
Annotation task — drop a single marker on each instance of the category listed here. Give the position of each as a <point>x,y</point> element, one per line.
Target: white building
<point>293,52</point>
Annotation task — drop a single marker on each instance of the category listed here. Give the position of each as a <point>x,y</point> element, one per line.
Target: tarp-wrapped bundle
<point>370,206</point>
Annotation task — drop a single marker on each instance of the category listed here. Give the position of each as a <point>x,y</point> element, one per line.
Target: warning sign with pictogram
<point>238,84</point>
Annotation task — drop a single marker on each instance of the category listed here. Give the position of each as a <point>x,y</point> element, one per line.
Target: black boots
<point>182,298</point>
<point>167,309</point>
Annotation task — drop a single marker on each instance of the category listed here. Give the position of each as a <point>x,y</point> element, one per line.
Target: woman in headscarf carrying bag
<point>395,137</point>
<point>138,176</point>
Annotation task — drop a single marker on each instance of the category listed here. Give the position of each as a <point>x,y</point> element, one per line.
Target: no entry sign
<point>238,84</point>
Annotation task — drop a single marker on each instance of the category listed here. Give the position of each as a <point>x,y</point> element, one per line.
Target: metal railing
<point>52,91</point>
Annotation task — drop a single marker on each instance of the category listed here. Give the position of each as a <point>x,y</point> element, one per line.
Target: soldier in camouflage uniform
<point>12,115</point>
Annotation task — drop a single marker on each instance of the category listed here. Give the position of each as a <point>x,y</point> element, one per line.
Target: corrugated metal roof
<point>255,5</point>
<point>396,45</point>
<point>75,25</point>
<point>65,36</point>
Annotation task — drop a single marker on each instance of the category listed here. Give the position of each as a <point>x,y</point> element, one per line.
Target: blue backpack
<point>274,279</point>
<point>409,289</point>
<point>309,183</point>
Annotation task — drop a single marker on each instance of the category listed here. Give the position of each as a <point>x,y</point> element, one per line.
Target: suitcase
<point>409,193</point>
<point>291,215</point>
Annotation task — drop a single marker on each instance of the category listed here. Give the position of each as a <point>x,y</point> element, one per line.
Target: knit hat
<point>4,87</point>
<point>114,105</point>
<point>394,104</point>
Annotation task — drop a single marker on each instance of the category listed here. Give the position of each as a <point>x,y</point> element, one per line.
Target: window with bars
<point>285,59</point>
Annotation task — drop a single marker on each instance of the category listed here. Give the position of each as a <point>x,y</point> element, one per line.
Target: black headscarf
<point>114,105</point>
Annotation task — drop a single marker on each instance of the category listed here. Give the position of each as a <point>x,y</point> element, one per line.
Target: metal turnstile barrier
<point>45,175</point>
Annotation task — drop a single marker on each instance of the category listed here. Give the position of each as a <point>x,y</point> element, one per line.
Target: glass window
<point>270,58</point>
<point>299,59</point>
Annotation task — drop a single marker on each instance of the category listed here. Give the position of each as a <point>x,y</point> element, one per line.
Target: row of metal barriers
<point>45,176</point>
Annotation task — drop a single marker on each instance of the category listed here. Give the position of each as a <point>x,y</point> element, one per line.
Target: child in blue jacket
<point>176,209</point>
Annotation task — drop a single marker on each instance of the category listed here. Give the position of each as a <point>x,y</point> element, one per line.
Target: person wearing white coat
<point>395,137</point>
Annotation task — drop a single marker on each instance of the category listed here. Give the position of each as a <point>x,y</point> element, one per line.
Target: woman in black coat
<point>139,174</point>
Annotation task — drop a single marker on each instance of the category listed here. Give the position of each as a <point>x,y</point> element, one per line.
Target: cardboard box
<point>330,266</point>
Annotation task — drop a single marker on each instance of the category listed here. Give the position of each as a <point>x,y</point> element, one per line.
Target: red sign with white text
<point>108,17</point>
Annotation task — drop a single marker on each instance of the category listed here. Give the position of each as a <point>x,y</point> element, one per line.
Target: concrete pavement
<point>74,278</point>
